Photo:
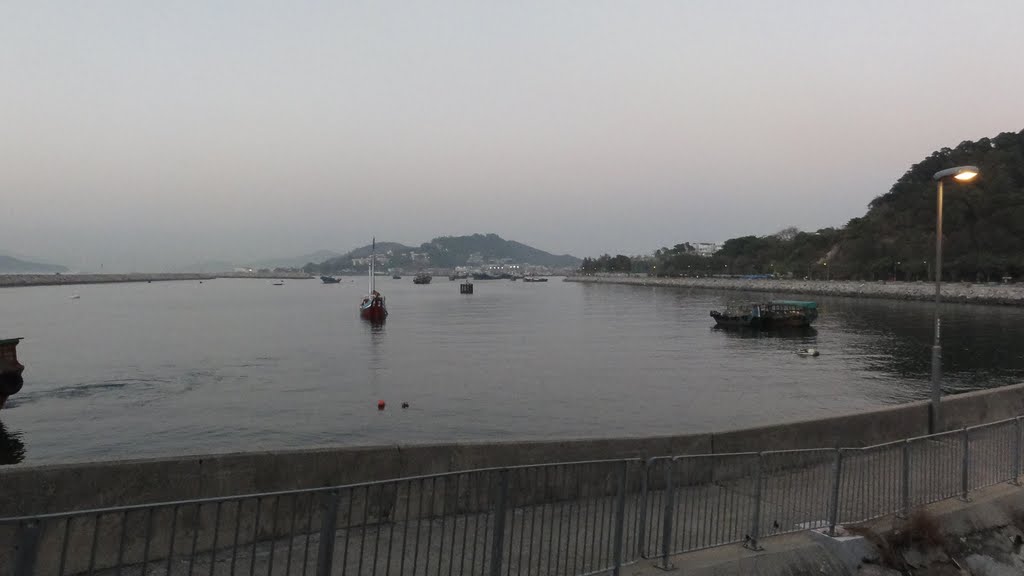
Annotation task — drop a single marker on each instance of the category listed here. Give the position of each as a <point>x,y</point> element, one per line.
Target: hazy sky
<point>147,135</point>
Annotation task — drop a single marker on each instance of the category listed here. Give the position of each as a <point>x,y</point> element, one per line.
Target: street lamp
<point>963,174</point>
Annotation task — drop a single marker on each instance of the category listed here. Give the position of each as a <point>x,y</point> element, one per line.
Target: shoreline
<point>952,292</point>
<point>26,280</point>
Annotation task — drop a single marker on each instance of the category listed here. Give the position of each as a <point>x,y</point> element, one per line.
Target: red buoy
<point>380,405</point>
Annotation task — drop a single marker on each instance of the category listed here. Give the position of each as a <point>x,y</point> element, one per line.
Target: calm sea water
<point>138,370</point>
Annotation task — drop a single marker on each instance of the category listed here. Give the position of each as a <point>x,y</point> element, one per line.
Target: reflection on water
<point>982,346</point>
<point>12,449</point>
<point>806,334</point>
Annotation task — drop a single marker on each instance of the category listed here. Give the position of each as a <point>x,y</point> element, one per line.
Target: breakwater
<point>16,280</point>
<point>958,292</point>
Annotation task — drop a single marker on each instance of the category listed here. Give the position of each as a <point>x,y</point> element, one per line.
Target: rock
<point>987,566</point>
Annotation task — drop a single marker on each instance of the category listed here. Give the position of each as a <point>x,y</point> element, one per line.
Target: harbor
<point>165,369</point>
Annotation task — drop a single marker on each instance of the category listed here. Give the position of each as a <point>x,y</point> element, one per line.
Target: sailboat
<point>372,307</point>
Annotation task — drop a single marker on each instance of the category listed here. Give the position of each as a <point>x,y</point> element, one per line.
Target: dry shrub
<point>1017,519</point>
<point>886,555</point>
<point>920,530</point>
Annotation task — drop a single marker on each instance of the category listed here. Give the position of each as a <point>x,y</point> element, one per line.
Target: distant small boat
<point>422,278</point>
<point>278,283</point>
<point>396,277</point>
<point>534,279</point>
<point>329,280</point>
<point>75,296</point>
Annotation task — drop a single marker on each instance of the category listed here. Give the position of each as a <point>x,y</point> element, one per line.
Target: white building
<point>706,249</point>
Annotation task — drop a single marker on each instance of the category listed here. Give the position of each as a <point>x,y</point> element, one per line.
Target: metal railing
<point>569,519</point>
<point>711,500</point>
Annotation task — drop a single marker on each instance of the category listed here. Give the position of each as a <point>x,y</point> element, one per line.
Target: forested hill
<point>983,221</point>
<point>451,251</point>
<point>458,250</point>
<point>983,227</point>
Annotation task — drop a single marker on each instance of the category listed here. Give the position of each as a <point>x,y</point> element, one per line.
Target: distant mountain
<point>343,261</point>
<point>382,248</point>
<point>448,251</point>
<point>208,267</point>
<point>294,261</point>
<point>12,265</point>
<point>451,251</point>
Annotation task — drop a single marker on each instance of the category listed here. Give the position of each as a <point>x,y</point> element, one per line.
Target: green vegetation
<point>983,229</point>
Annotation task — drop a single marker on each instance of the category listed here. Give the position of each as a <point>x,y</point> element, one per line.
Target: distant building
<point>706,249</point>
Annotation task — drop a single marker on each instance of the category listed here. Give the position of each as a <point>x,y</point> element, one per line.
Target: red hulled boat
<point>372,308</point>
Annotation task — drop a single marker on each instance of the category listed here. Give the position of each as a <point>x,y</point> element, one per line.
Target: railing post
<point>28,543</point>
<point>499,524</point>
<point>668,514</point>
<point>620,519</point>
<point>328,524</point>
<point>756,527</point>
<point>965,468</point>
<point>644,493</point>
<point>837,476</point>
<point>1016,451</point>
<point>905,508</point>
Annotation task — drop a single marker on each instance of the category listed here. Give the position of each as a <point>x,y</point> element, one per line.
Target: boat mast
<point>373,257</point>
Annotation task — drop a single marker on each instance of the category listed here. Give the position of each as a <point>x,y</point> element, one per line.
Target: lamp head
<point>961,173</point>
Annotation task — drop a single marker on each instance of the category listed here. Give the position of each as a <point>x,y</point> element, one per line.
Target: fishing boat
<point>329,280</point>
<point>534,279</point>
<point>10,369</point>
<point>422,278</point>
<point>774,315</point>
<point>372,308</point>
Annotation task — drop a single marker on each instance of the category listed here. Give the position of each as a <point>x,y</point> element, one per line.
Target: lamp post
<point>963,174</point>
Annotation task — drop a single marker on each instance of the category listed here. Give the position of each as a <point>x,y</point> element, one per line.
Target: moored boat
<point>534,279</point>
<point>422,278</point>
<point>774,315</point>
<point>396,276</point>
<point>10,369</point>
<point>329,280</point>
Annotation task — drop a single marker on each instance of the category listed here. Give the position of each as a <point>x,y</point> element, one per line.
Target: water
<point>139,370</point>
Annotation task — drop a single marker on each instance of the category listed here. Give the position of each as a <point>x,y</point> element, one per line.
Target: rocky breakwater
<point>1002,294</point>
<point>13,280</point>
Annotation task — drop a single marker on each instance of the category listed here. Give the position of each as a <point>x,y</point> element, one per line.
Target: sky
<point>147,136</point>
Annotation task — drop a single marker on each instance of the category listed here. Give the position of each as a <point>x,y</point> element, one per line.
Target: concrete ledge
<point>28,489</point>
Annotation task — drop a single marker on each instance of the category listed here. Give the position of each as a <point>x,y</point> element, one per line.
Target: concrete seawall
<point>956,292</point>
<point>40,489</point>
<point>28,490</point>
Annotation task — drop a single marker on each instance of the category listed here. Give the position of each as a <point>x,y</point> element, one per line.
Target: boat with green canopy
<point>772,315</point>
